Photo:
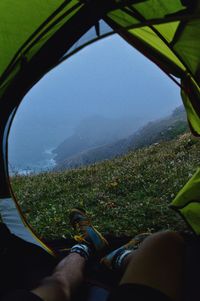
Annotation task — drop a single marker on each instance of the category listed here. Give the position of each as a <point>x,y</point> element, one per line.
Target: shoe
<point>88,233</point>
<point>114,259</point>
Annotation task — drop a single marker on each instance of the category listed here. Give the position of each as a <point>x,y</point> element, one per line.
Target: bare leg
<point>69,273</point>
<point>158,263</point>
<point>65,280</point>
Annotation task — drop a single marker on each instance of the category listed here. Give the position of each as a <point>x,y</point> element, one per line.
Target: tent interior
<point>35,37</point>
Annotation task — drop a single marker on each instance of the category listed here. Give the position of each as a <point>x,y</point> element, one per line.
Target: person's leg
<point>157,264</point>
<point>67,277</point>
<point>69,273</point>
<point>115,260</point>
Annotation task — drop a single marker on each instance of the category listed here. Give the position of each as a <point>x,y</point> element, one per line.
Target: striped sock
<point>119,259</point>
<point>82,249</point>
<point>115,259</point>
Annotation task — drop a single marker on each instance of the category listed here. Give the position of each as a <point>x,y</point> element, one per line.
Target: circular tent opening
<point>104,131</point>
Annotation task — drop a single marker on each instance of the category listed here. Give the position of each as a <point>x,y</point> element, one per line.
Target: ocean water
<point>47,163</point>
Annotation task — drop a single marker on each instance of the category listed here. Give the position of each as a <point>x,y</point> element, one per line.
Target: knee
<point>167,237</point>
<point>57,284</point>
<point>166,242</point>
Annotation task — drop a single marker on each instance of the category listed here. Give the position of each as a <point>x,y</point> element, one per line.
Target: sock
<point>82,249</point>
<point>115,259</point>
<point>119,259</point>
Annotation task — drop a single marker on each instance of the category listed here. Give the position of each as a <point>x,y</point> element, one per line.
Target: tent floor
<point>23,265</point>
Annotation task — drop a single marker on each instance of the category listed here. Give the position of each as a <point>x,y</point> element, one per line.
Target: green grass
<point>123,196</point>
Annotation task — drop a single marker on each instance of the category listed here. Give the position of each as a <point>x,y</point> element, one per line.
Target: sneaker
<point>114,259</point>
<point>88,233</point>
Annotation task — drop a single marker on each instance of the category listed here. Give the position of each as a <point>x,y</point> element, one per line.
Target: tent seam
<point>141,18</point>
<point>15,60</point>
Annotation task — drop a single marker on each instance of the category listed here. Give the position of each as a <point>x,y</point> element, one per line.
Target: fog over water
<point>108,80</point>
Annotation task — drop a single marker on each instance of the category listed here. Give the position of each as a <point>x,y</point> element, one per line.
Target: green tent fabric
<point>191,101</point>
<point>187,202</point>
<point>25,26</point>
<point>35,36</point>
<point>18,21</point>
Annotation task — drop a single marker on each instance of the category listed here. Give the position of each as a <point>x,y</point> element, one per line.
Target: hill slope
<point>160,130</point>
<point>93,132</point>
<point>124,196</point>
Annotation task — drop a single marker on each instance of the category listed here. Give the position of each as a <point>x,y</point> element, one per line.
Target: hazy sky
<point>108,78</point>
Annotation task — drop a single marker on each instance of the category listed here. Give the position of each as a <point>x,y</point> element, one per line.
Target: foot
<point>114,259</point>
<point>88,233</point>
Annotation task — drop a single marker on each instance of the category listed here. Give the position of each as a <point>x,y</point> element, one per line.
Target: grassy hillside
<point>126,195</point>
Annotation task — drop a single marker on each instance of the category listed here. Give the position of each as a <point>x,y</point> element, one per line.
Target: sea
<point>47,163</point>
